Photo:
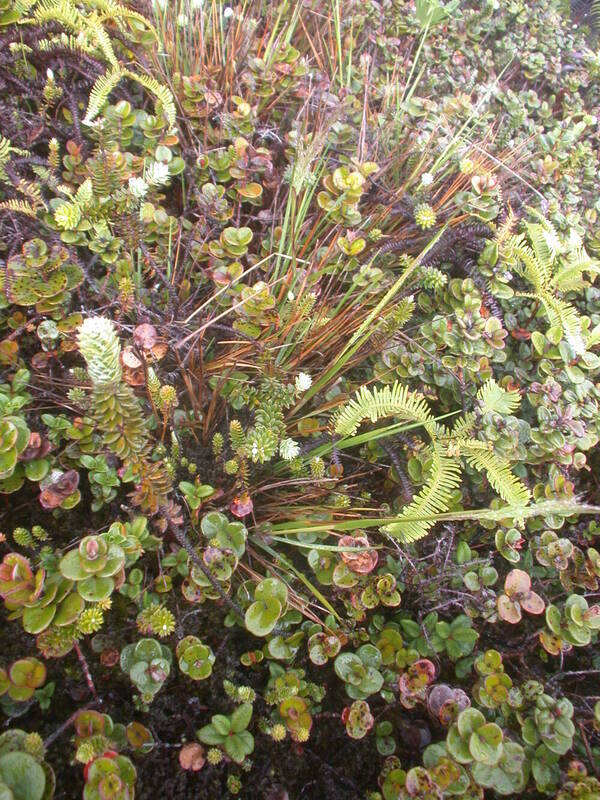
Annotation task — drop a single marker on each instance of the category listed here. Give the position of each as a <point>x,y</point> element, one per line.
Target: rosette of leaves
<point>416,784</point>
<point>59,490</point>
<point>495,687</point>
<point>221,565</point>
<point>115,407</point>
<point>414,681</point>
<point>14,438</point>
<point>393,650</point>
<point>551,724</point>
<point>360,671</point>
<point>40,276</point>
<point>573,627</point>
<point>134,537</point>
<point>230,733</point>
<point>268,606</point>
<point>552,551</point>
<point>195,658</point>
<point>451,777</point>
<point>24,775</point>
<point>518,595</point>
<point>58,605</point>
<point>110,776</point>
<point>148,664</point>
<point>358,719</point>
<point>472,739</point>
<point>294,711</point>
<point>322,647</point>
<point>508,544</point>
<point>22,679</point>
<point>445,703</point>
<point>457,638</point>
<point>93,566</point>
<point>256,309</point>
<point>342,191</point>
<point>225,534</point>
<point>19,585</point>
<point>233,243</point>
<point>508,776</point>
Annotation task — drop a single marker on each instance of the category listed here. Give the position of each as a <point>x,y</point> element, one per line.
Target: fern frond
<point>544,247</point>
<point>505,231</point>
<point>160,92</point>
<point>97,32</point>
<point>571,276</point>
<point>496,400</point>
<point>59,11</point>
<point>498,471</point>
<point>20,206</point>
<point>562,314</point>
<point>434,498</point>
<point>593,337</point>
<point>65,42</point>
<point>381,402</point>
<point>6,148</point>
<point>84,194</point>
<point>100,91</point>
<point>117,12</point>
<point>533,270</point>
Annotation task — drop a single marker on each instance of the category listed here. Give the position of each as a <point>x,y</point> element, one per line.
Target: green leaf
<point>221,724</point>
<point>209,735</point>
<point>261,617</point>
<point>240,719</point>
<point>68,611</point>
<point>239,746</point>
<point>23,775</point>
<point>36,620</point>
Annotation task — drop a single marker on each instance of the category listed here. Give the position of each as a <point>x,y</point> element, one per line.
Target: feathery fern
<point>162,94</point>
<point>552,265</point>
<point>396,400</point>
<point>494,399</point>
<point>20,206</point>
<point>86,28</point>
<point>434,498</point>
<point>101,89</point>
<point>498,473</point>
<point>447,447</point>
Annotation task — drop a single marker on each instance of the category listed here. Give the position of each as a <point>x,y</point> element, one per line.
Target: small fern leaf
<point>118,12</point>
<point>160,92</point>
<point>532,269</point>
<point>498,472</point>
<point>571,275</point>
<point>496,400</point>
<point>593,338</point>
<point>100,92</point>
<point>60,11</point>
<point>20,207</point>
<point>99,33</point>
<point>434,498</point>
<point>378,403</point>
<point>562,314</point>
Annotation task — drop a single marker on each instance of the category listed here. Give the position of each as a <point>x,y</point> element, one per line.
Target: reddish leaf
<point>191,757</point>
<point>241,505</point>
<point>361,562</point>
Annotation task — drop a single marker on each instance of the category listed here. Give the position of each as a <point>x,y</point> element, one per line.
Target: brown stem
<point>86,672</point>
<point>65,725</point>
